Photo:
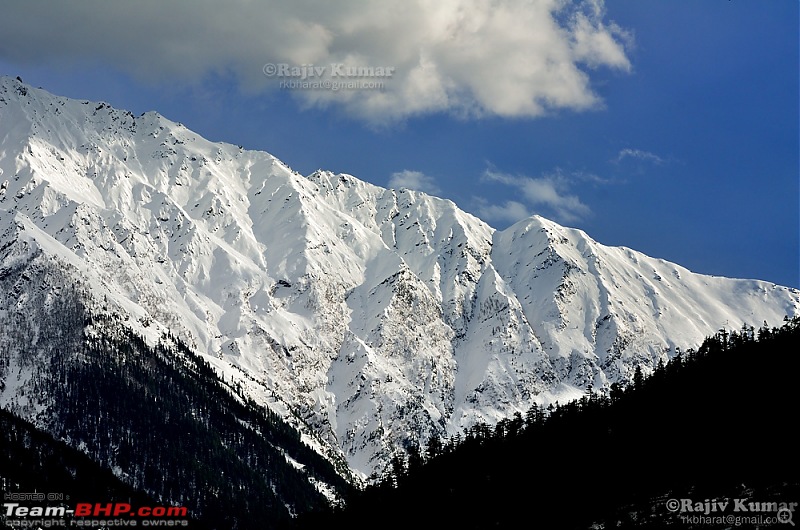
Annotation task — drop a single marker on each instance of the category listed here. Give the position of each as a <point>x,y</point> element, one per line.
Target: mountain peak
<point>372,318</point>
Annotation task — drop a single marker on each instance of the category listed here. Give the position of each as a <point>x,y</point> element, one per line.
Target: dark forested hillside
<point>32,460</point>
<point>712,423</point>
<point>162,419</point>
<point>158,417</point>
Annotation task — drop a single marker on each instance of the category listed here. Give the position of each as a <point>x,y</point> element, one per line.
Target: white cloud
<point>510,212</point>
<point>413,180</point>
<point>638,154</point>
<point>468,57</point>
<point>550,194</point>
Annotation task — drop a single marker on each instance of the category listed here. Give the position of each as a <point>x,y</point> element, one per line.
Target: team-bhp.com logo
<point>86,514</point>
<point>735,512</point>
<point>85,509</point>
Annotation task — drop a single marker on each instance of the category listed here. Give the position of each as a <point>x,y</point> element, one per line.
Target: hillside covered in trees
<point>712,423</point>
<point>154,421</point>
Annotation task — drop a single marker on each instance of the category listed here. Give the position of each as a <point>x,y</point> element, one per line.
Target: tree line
<point>710,422</point>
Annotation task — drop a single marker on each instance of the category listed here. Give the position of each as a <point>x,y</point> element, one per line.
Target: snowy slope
<point>377,317</point>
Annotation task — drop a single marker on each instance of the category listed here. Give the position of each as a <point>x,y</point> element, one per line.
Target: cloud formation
<point>509,212</point>
<point>638,154</point>
<point>550,195</point>
<point>414,180</point>
<point>472,58</point>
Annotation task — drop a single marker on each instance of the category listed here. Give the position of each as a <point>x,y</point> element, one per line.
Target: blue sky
<point>668,127</point>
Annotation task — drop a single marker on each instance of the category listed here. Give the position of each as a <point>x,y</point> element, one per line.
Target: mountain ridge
<point>374,317</point>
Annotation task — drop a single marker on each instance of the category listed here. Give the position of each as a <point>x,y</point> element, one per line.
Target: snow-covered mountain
<point>369,317</point>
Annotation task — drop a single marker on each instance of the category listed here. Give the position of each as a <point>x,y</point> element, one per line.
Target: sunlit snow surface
<point>368,317</point>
